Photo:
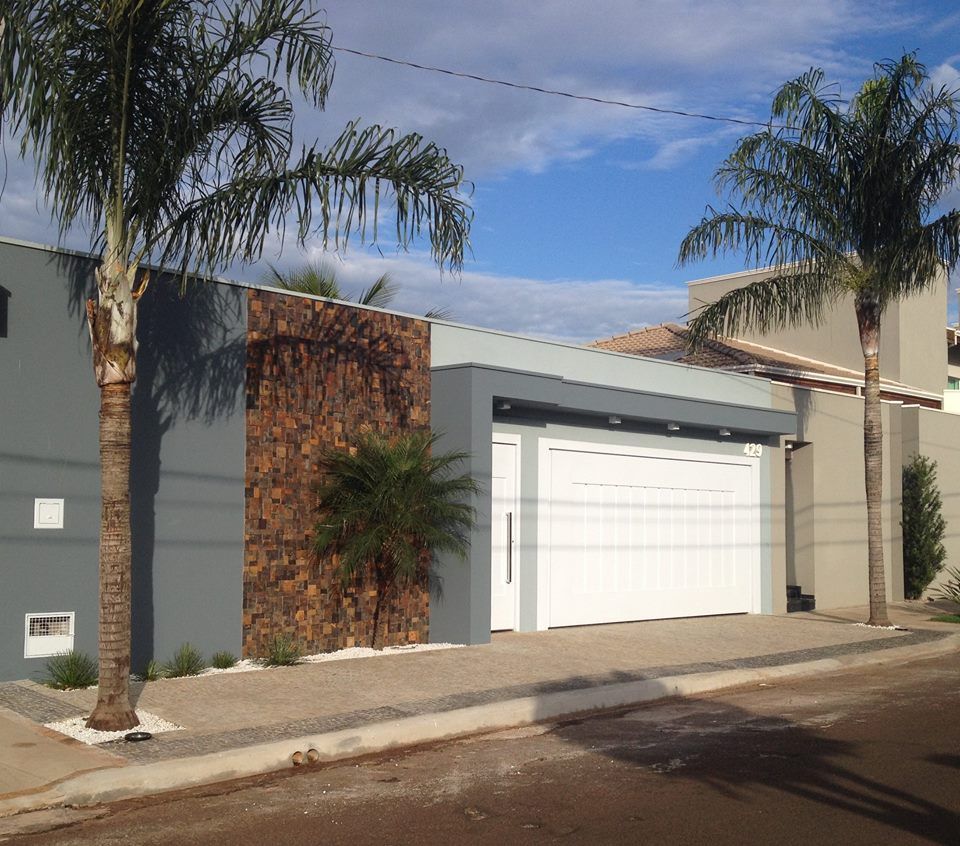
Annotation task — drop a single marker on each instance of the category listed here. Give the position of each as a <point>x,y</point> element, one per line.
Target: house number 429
<point>753,450</point>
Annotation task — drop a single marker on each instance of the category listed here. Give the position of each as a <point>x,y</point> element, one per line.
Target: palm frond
<point>342,187</point>
<point>316,278</point>
<point>380,294</point>
<point>785,299</point>
<point>764,241</point>
<point>440,313</point>
<point>926,251</point>
<point>857,182</point>
<point>390,502</point>
<point>150,118</point>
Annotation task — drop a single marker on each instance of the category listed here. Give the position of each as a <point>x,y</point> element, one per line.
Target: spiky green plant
<point>841,199</point>
<point>70,670</point>
<point>223,660</point>
<point>151,671</point>
<point>186,661</point>
<point>284,651</point>
<point>388,505</point>
<point>165,129</point>
<point>950,588</point>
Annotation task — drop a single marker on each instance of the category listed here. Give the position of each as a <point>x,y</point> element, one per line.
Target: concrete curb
<point>108,785</point>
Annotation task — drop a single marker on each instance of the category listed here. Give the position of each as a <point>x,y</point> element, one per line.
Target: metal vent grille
<point>47,634</point>
<point>57,625</point>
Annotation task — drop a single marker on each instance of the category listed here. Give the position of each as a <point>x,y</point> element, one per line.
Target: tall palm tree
<point>166,128</point>
<point>389,504</point>
<point>839,200</point>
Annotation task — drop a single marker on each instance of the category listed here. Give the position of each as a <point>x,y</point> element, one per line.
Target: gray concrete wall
<point>919,326</point>
<point>188,461</point>
<point>460,590</point>
<point>912,345</point>
<point>800,530</point>
<point>936,435</point>
<point>459,344</point>
<point>893,498</point>
<point>473,369</point>
<point>835,340</point>
<point>48,448</point>
<point>778,529</point>
<point>830,517</point>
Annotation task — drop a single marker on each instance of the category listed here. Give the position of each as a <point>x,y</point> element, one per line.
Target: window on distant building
<point>953,383</point>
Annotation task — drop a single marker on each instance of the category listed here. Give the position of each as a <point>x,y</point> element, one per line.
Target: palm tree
<point>839,201</point>
<point>320,280</point>
<point>166,128</point>
<point>390,504</point>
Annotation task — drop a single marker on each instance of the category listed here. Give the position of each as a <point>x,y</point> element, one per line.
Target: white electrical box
<point>47,634</point>
<point>48,514</point>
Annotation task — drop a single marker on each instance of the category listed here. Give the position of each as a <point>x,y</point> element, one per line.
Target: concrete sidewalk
<point>247,723</point>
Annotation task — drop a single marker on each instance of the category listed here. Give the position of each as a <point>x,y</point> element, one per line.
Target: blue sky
<point>579,207</point>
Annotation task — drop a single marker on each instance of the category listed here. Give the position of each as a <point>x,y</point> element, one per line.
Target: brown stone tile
<point>316,374</point>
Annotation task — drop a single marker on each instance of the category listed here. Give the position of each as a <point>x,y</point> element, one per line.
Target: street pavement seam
<point>177,745</point>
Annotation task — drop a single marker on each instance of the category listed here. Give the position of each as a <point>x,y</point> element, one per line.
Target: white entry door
<point>638,535</point>
<point>503,536</point>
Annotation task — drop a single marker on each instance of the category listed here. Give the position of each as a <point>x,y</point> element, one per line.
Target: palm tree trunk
<point>376,618</point>
<point>113,334</point>
<point>377,611</point>
<point>868,322</point>
<point>113,711</point>
<point>385,587</point>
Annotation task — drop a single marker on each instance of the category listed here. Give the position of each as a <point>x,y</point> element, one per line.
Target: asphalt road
<point>861,757</point>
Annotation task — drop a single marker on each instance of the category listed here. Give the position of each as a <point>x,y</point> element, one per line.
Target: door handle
<point>509,547</point>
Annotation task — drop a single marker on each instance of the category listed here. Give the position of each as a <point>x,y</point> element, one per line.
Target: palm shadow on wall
<point>367,375</point>
<point>190,367</point>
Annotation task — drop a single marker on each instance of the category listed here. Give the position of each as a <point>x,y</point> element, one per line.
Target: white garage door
<point>637,535</point>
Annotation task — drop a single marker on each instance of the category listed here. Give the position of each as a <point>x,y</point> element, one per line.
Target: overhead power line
<point>552,92</point>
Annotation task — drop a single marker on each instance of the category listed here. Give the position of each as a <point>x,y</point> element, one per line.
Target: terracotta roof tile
<point>669,341</point>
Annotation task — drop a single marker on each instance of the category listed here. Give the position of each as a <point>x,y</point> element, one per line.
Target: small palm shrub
<point>71,670</point>
<point>223,660</point>
<point>923,526</point>
<point>388,506</point>
<point>284,652</point>
<point>950,589</point>
<point>186,661</point>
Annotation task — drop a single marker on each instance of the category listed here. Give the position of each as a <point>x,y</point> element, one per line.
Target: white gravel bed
<point>882,628</point>
<point>75,728</point>
<point>367,652</point>
<point>244,666</point>
<point>248,665</point>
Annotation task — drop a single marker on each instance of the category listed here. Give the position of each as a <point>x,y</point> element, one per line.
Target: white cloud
<point>946,75</point>
<point>571,310</point>
<point>726,57</point>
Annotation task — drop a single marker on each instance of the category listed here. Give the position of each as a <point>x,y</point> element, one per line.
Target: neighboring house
<point>668,342</point>
<point>951,396</point>
<point>615,487</point>
<point>819,517</point>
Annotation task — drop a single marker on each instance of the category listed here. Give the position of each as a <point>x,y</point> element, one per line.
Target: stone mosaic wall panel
<point>316,374</point>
